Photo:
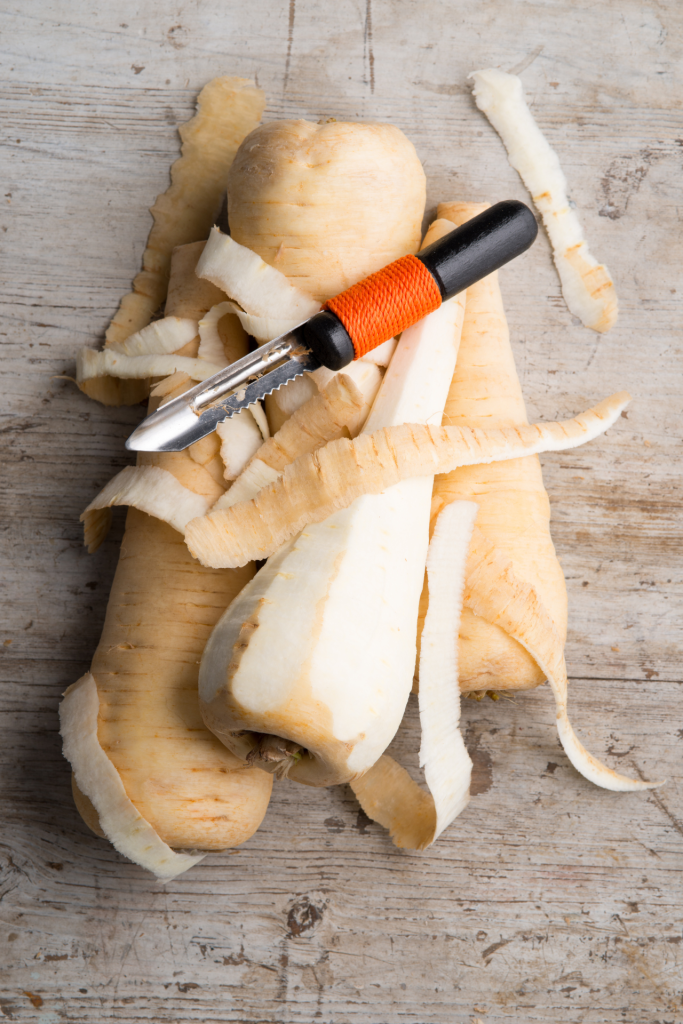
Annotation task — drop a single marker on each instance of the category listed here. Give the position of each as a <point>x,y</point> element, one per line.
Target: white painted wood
<point>548,900</point>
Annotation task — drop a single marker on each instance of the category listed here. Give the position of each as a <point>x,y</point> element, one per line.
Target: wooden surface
<point>548,900</point>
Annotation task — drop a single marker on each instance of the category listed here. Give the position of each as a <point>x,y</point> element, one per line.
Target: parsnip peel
<point>259,289</point>
<point>386,792</point>
<point>110,363</point>
<point>443,755</point>
<point>227,110</point>
<point>240,439</point>
<point>96,777</point>
<point>158,338</point>
<point>318,484</point>
<point>587,286</point>
<point>150,489</point>
<point>494,592</point>
<point>210,344</point>
<point>264,328</point>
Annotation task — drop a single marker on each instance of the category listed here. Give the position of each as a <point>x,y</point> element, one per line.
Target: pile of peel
<point>398,505</point>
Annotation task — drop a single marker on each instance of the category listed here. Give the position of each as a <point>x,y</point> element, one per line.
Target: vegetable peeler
<point>349,325</point>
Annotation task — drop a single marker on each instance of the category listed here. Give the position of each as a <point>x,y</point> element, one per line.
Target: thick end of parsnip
<point>99,792</point>
<point>189,789</point>
<point>327,204</point>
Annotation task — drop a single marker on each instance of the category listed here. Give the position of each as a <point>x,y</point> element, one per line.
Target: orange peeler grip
<point>385,303</point>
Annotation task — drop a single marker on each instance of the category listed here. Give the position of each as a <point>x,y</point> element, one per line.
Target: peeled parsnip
<point>514,511</point>
<point>319,647</point>
<point>163,606</point>
<point>317,651</point>
<point>326,204</point>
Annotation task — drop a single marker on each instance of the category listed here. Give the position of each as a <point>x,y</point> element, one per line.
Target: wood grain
<point>548,900</point>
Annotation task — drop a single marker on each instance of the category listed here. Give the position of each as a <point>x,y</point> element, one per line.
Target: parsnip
<point>326,204</point>
<point>227,109</point>
<point>191,790</point>
<point>332,478</point>
<point>514,511</point>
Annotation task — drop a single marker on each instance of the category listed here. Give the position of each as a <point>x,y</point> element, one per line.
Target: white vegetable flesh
<point>587,286</point>
<point>319,647</point>
<point>259,289</point>
<point>97,778</point>
<point>210,342</point>
<point>386,792</point>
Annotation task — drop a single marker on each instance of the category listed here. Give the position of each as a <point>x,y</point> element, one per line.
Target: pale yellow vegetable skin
<point>162,608</point>
<point>327,204</point>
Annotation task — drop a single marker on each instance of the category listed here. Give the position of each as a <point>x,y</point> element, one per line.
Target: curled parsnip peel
<point>210,341</point>
<point>97,779</point>
<point>158,338</point>
<point>259,289</point>
<point>386,792</point>
<point>317,485</point>
<point>207,453</point>
<point>110,363</point>
<point>587,286</point>
<point>227,110</point>
<point>264,328</point>
<point>494,592</point>
<point>240,438</point>
<point>150,489</point>
<point>333,412</point>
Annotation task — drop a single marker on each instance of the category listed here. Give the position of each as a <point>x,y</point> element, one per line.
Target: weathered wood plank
<point>548,899</point>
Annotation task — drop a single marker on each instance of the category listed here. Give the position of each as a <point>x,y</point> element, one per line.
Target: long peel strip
<point>318,484</point>
<point>387,794</point>
<point>493,592</point>
<point>587,286</point>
